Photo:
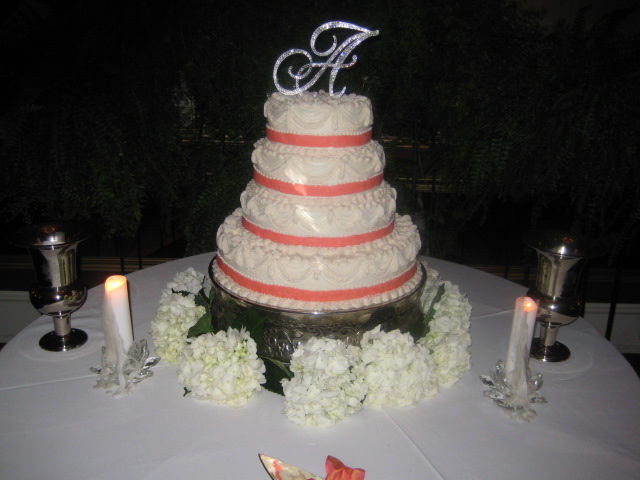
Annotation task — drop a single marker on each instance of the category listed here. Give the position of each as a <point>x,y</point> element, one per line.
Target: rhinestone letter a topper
<point>337,58</point>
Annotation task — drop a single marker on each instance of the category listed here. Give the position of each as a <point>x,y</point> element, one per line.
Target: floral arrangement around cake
<point>326,380</point>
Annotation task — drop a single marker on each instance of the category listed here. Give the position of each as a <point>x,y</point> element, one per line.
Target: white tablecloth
<point>53,424</point>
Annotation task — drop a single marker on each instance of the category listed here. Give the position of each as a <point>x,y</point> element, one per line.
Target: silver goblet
<point>562,257</point>
<point>57,291</point>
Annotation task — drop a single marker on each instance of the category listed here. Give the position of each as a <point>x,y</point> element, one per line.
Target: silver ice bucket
<point>562,257</point>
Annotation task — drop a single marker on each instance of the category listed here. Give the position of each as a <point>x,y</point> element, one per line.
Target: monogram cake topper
<point>338,56</point>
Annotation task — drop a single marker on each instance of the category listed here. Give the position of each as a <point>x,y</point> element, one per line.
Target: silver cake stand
<point>285,329</point>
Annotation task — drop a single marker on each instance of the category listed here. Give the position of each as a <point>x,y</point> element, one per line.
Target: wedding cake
<point>317,230</point>
<point>317,292</point>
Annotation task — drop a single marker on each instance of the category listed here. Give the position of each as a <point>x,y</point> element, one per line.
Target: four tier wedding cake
<point>317,229</point>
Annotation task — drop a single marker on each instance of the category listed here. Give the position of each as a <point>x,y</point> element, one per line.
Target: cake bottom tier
<point>317,278</point>
<point>285,329</point>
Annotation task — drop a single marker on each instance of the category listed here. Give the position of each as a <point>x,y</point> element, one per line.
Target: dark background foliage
<point>124,113</point>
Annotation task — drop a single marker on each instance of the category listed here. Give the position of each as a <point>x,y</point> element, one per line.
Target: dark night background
<point>137,118</point>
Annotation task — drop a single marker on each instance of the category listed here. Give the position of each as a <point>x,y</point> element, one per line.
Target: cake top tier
<point>318,114</point>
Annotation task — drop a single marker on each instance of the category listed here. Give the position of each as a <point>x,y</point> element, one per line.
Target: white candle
<point>116,317</point>
<point>524,320</point>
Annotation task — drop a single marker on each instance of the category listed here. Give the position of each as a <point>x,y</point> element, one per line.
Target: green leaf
<point>205,323</point>
<point>202,300</point>
<point>275,372</point>
<point>421,328</point>
<point>253,323</point>
<point>184,293</point>
<point>202,326</point>
<point>199,298</point>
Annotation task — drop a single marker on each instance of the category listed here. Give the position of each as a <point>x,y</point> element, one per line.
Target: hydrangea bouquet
<point>327,380</point>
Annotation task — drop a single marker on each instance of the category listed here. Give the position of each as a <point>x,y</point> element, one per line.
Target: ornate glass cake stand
<point>285,329</point>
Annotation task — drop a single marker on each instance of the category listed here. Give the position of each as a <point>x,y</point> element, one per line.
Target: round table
<point>54,424</point>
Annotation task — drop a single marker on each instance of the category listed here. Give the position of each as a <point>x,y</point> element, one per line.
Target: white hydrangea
<point>397,370</point>
<point>222,367</point>
<point>176,314</point>
<point>449,339</point>
<point>188,281</point>
<point>170,326</point>
<point>326,387</point>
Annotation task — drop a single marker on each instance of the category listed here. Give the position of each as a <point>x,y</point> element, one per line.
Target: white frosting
<point>318,114</point>
<point>318,269</point>
<point>318,166</point>
<point>339,216</point>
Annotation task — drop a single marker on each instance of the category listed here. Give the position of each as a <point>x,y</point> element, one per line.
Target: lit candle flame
<point>529,305</point>
<point>114,282</point>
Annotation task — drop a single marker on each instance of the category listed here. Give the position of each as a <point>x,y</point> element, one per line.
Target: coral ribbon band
<point>317,241</point>
<point>321,141</point>
<point>317,190</point>
<point>315,296</point>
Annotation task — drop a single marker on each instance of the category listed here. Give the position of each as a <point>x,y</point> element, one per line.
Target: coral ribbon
<point>315,296</point>
<point>317,241</point>
<point>321,141</point>
<point>317,190</point>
